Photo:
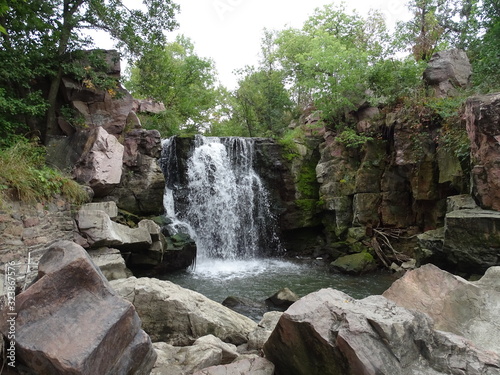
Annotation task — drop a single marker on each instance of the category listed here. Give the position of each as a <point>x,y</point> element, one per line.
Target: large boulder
<point>99,230</point>
<point>448,71</point>
<point>100,165</point>
<point>110,262</point>
<point>328,332</point>
<point>70,321</point>
<point>472,240</point>
<point>483,127</point>
<point>178,316</point>
<point>180,360</point>
<point>441,295</point>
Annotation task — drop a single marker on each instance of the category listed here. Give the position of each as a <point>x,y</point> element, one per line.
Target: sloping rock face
<point>70,321</point>
<point>448,71</point>
<point>468,309</point>
<point>328,332</point>
<point>179,316</point>
<point>483,127</point>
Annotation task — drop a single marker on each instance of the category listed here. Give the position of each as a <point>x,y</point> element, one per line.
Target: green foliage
<point>437,25</point>
<point>41,43</point>
<point>391,79</point>
<point>23,171</point>
<point>307,184</point>
<point>289,142</point>
<point>183,81</point>
<point>351,139</point>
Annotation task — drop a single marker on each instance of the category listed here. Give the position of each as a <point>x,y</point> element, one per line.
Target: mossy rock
<point>355,264</point>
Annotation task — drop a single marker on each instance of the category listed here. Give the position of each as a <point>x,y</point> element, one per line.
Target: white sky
<point>230,31</point>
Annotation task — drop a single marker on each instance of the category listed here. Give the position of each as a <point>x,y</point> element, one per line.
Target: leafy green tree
<point>262,102</point>
<point>328,60</point>
<point>42,37</point>
<point>183,81</point>
<point>438,24</point>
<point>485,53</point>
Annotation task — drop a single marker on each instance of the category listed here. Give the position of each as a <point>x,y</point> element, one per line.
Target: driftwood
<point>386,253</point>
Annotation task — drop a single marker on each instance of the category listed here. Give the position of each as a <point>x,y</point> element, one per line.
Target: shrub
<point>24,173</point>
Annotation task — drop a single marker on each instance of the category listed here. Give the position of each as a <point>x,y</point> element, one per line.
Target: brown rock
<point>483,127</point>
<point>70,321</point>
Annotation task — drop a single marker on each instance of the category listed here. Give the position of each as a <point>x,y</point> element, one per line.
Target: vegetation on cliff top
<point>333,63</point>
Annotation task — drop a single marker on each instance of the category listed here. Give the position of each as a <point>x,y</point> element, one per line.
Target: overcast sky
<point>230,31</point>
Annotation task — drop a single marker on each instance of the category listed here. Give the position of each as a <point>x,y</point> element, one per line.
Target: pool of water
<point>258,279</point>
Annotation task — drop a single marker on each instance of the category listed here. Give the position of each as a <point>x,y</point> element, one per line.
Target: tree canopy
<point>40,38</point>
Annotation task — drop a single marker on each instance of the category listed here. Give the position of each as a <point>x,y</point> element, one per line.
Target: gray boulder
<point>179,316</point>
<point>468,309</point>
<point>110,262</point>
<point>258,337</point>
<point>100,165</point>
<point>70,321</point>
<point>98,229</point>
<point>330,333</point>
<point>205,352</point>
<point>246,366</point>
<point>447,71</point>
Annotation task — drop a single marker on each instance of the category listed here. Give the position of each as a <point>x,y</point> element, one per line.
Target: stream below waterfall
<point>258,279</point>
<point>217,198</point>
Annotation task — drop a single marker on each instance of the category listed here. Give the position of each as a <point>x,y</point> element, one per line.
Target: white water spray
<point>226,206</point>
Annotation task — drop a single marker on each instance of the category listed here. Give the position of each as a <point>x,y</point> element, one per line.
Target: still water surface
<point>258,279</point>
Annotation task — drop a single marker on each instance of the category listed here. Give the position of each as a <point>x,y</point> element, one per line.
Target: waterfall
<point>219,199</point>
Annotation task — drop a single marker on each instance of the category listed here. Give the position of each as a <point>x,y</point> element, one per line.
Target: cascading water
<point>225,205</point>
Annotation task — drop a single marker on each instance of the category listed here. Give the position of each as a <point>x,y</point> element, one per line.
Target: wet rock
<point>245,306</point>
<point>81,326</point>
<point>282,298</point>
<point>179,316</point>
<point>483,118</point>
<point>328,332</point>
<point>460,202</point>
<point>247,366</point>
<point>465,308</point>
<point>355,264</point>
<point>448,71</point>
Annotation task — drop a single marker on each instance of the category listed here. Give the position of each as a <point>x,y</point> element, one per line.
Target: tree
<point>44,35</point>
<point>438,24</point>
<point>262,102</point>
<point>183,81</point>
<point>328,60</point>
<point>485,52</point>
